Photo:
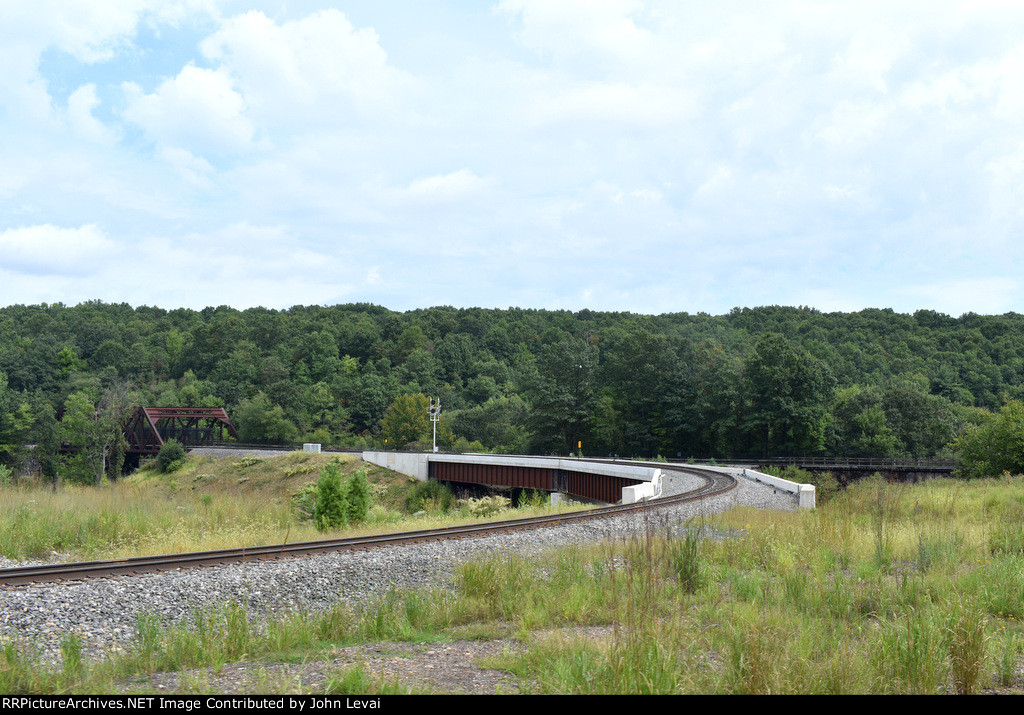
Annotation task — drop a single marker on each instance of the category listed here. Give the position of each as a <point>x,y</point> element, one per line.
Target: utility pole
<point>435,416</point>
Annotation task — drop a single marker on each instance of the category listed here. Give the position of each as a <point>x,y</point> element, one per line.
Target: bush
<point>358,497</point>
<point>331,499</point>
<point>171,455</point>
<point>305,501</point>
<point>485,506</point>
<point>319,499</point>
<point>429,494</point>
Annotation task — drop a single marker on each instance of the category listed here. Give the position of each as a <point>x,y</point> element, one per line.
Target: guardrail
<point>852,462</point>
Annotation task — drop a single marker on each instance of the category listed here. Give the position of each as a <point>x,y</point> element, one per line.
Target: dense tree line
<point>759,381</point>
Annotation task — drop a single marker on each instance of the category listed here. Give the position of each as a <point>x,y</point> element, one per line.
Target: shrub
<point>429,494</point>
<point>305,501</point>
<point>171,455</point>
<point>331,499</point>
<point>464,446</point>
<point>358,497</point>
<point>485,506</point>
<point>686,562</point>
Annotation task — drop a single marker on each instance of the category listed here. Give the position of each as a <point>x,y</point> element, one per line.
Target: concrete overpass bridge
<point>608,481</point>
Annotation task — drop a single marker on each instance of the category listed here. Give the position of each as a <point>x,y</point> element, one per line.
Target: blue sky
<point>638,155</point>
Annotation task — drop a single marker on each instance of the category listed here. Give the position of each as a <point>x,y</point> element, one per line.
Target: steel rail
<point>715,483</point>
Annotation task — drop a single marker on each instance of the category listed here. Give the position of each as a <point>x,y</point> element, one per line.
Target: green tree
<point>194,392</point>
<point>701,405</point>
<point>788,397</point>
<point>406,420</point>
<point>259,420</point>
<point>358,494</point>
<point>68,362</point>
<point>420,370</point>
<point>995,446</point>
<point>562,395</point>
<point>81,429</point>
<point>635,372</point>
<point>368,398</point>
<point>174,345</point>
<point>15,423</point>
<point>923,423</point>
<point>861,426</point>
<point>46,436</point>
<point>499,424</point>
<point>96,432</point>
<point>332,507</point>
<point>325,411</point>
<point>412,339</point>
<point>116,406</point>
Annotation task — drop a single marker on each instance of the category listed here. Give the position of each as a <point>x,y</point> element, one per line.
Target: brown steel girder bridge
<point>581,483</point>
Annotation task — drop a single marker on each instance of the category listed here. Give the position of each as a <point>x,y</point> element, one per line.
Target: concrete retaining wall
<point>805,493</point>
<point>411,463</point>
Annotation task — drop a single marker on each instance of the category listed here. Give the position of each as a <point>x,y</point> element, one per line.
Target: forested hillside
<point>757,381</point>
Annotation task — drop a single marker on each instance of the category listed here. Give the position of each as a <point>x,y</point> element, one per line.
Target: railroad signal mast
<point>435,416</point>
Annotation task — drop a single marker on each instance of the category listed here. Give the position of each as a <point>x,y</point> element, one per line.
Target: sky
<point>651,156</point>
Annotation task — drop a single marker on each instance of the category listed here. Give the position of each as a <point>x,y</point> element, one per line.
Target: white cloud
<point>983,294</point>
<point>455,186</point>
<point>851,125</point>
<point>198,110</point>
<point>81,102</point>
<point>92,32</point>
<point>195,170</point>
<point>645,106</point>
<point>316,69</point>
<point>1006,187</point>
<point>570,28</point>
<point>545,141</point>
<point>51,250</point>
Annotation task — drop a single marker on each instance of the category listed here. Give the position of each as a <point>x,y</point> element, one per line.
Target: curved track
<point>714,483</point>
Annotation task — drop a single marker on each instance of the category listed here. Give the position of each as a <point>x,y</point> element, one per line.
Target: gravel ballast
<point>104,612</point>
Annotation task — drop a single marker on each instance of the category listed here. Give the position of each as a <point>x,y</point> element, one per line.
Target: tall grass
<point>207,504</point>
<point>885,589</point>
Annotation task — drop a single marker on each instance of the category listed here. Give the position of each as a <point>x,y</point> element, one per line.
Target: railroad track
<point>715,483</point>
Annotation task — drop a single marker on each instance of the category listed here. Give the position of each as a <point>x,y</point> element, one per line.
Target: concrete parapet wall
<point>414,464</point>
<point>805,493</point>
<point>642,492</point>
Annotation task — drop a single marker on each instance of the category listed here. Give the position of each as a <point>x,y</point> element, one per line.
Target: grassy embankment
<point>208,503</point>
<point>885,589</point>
